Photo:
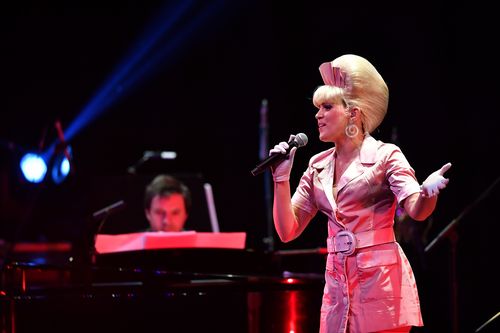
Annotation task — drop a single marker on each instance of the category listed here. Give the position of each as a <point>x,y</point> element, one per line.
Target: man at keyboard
<point>167,202</point>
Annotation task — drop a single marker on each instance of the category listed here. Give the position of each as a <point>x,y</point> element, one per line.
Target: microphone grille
<point>301,139</point>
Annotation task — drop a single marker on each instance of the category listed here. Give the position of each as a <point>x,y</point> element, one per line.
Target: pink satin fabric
<point>374,289</point>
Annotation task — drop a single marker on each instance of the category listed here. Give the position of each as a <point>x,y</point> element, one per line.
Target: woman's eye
<point>327,106</point>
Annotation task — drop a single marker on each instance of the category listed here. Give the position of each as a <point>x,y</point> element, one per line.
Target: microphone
<point>149,155</point>
<point>108,210</point>
<point>162,154</point>
<point>299,141</point>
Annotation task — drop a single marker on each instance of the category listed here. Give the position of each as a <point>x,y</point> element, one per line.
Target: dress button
<point>344,300</point>
<point>342,277</point>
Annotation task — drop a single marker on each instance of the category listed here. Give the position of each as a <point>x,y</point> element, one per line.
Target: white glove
<point>435,182</point>
<point>281,171</point>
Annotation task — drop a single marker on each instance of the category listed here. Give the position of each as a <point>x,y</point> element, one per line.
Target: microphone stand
<point>87,251</point>
<point>450,232</point>
<point>263,148</point>
<point>489,321</point>
<point>101,216</point>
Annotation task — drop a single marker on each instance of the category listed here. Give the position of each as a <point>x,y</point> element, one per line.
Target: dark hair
<point>165,185</point>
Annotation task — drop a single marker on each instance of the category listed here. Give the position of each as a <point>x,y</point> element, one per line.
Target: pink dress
<point>373,288</point>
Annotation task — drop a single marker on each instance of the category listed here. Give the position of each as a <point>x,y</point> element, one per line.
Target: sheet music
<point>170,239</point>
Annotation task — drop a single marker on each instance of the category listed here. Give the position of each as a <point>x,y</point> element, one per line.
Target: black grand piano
<point>182,289</point>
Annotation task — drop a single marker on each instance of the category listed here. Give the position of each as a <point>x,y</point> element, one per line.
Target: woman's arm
<point>289,222</point>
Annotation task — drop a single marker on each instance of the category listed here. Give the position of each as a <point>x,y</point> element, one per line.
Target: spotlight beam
<point>167,51</point>
<point>113,88</point>
<point>137,67</point>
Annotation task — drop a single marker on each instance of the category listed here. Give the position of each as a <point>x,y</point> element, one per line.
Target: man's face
<point>167,213</point>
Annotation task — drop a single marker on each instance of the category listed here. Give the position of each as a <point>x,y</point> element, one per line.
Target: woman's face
<point>332,120</point>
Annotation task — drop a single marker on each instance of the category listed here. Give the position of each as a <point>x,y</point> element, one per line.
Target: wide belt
<point>346,242</point>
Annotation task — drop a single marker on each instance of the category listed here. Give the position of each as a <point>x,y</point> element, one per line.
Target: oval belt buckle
<point>345,241</point>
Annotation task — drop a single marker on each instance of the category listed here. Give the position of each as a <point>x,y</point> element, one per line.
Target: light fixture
<point>33,167</point>
<point>61,165</point>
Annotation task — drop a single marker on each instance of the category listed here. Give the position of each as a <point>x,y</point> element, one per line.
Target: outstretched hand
<point>281,172</point>
<point>435,182</point>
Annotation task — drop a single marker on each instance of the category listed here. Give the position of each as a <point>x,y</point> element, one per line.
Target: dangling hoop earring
<point>351,130</point>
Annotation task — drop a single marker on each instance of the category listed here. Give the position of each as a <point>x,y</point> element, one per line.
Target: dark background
<point>200,94</point>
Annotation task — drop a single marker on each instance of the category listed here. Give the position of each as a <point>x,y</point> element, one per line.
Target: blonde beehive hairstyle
<point>362,87</point>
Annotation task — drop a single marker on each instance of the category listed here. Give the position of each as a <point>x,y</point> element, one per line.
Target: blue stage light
<point>33,167</point>
<point>61,166</point>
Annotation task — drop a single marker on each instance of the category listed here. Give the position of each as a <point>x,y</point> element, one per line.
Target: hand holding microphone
<point>281,171</point>
<point>280,158</point>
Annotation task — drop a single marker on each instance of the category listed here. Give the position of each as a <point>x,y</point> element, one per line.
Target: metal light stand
<point>450,232</point>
